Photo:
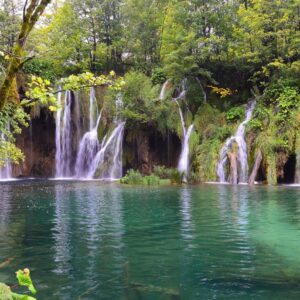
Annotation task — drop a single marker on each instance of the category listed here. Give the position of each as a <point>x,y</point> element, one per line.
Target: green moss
<point>213,130</point>
<point>205,162</point>
<point>271,169</point>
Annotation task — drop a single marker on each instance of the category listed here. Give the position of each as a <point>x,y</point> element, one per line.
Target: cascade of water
<point>6,171</point>
<point>183,164</point>
<point>77,122</point>
<point>58,135</point>
<point>88,148</point>
<point>111,149</point>
<point>93,108</point>
<point>90,154</point>
<point>119,103</point>
<point>162,94</point>
<point>89,144</point>
<point>109,159</point>
<point>117,167</point>
<point>63,138</point>
<point>242,155</point>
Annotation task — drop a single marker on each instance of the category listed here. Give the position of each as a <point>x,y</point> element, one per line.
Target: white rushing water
<point>89,158</point>
<point>58,135</point>
<point>163,90</point>
<point>93,108</point>
<point>108,161</point>
<point>242,155</point>
<point>63,138</point>
<point>107,164</point>
<point>6,170</point>
<point>184,162</point>
<point>88,148</point>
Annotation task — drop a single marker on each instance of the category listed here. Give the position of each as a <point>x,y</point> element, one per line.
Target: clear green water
<point>88,240</point>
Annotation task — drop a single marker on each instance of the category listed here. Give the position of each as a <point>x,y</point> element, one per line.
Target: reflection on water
<point>61,231</point>
<point>88,231</point>
<point>102,241</point>
<point>5,209</point>
<point>186,212</point>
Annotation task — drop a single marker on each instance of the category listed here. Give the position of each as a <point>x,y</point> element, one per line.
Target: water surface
<point>88,240</point>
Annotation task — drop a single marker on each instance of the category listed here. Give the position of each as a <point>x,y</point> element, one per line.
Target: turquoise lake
<point>91,240</point>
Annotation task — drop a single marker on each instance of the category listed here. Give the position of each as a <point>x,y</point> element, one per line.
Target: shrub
<point>255,124</point>
<point>175,176</point>
<point>167,173</point>
<point>136,178</point>
<point>193,178</point>
<point>222,133</point>
<point>151,180</point>
<point>161,171</point>
<point>235,113</point>
<point>132,177</point>
<point>158,76</point>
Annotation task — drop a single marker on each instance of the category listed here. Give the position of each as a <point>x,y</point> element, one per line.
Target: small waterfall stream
<point>63,139</point>
<point>242,154</point>
<point>183,164</point>
<point>6,171</point>
<point>88,148</point>
<point>109,159</point>
<point>107,164</point>
<point>93,108</point>
<point>162,93</point>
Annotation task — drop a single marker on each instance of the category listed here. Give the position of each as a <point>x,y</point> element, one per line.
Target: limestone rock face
<point>38,145</point>
<point>145,147</point>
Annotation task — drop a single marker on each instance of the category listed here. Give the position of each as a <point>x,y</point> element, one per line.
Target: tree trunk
<point>258,159</point>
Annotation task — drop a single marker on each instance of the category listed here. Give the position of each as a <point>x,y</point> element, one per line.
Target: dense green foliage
<point>160,176</point>
<point>136,178</point>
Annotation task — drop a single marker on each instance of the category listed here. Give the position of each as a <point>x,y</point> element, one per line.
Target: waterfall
<point>162,94</point>
<point>93,108</point>
<point>91,155</point>
<point>63,137</point>
<point>58,136</point>
<point>89,144</point>
<point>88,148</point>
<point>6,171</point>
<point>109,158</point>
<point>183,164</point>
<point>242,155</point>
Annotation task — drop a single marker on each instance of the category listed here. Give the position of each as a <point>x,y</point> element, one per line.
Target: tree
<point>31,13</point>
<point>267,30</point>
<point>143,27</point>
